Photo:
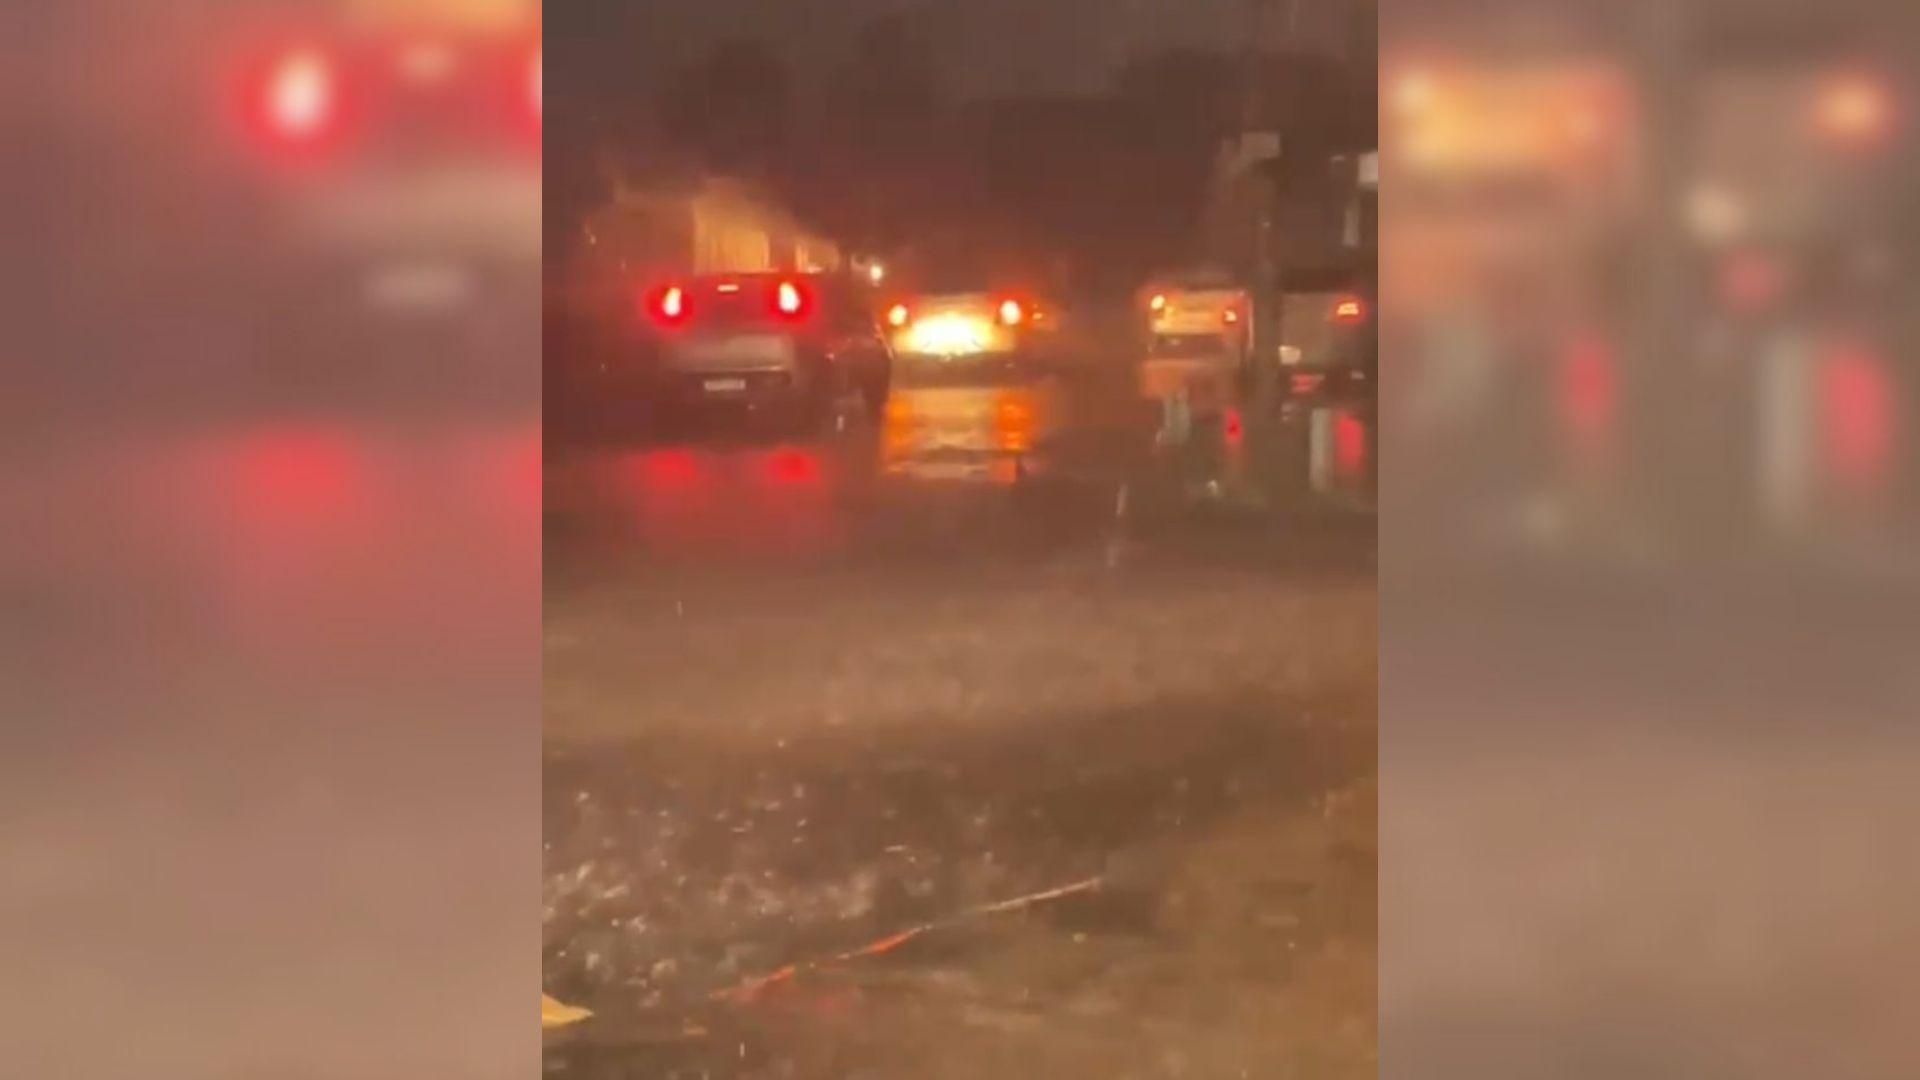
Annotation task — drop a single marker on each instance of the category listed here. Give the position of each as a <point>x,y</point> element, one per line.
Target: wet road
<point>1022,632</point>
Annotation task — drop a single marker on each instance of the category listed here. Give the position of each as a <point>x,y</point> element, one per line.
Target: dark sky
<point>986,47</point>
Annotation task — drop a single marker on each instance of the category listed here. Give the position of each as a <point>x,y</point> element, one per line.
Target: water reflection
<point>980,434</point>
<point>695,501</point>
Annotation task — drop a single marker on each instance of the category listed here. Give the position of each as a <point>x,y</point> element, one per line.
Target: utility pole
<point>1266,306</point>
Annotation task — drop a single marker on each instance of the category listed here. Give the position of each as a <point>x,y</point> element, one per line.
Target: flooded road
<point>1027,726</point>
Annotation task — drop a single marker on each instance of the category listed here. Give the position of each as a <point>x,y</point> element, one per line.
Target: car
<point>1329,336</point>
<point>766,341</point>
<point>1199,322</point>
<point>956,326</point>
<point>388,171</point>
<point>957,314</point>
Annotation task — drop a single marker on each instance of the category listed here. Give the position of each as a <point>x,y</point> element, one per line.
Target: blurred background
<point>1648,545</point>
<point>268,590</point>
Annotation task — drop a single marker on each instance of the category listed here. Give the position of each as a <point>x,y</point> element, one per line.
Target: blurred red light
<point>669,470</point>
<point>300,99</point>
<point>1349,311</point>
<point>794,468</point>
<point>667,306</point>
<point>789,299</point>
<point>1011,313</point>
<point>1349,444</point>
<point>898,315</point>
<point>1858,415</point>
<point>1589,394</point>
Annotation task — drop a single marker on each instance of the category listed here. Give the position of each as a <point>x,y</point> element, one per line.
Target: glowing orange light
<point>1349,310</point>
<point>1414,92</point>
<point>1011,313</point>
<point>897,315</point>
<point>1855,109</point>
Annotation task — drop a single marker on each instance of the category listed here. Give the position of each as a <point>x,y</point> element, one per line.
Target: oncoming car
<point>767,340</point>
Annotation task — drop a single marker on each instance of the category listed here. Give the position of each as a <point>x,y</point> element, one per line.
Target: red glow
<point>898,315</point>
<point>1589,393</point>
<point>1011,313</point>
<point>668,306</point>
<point>1158,303</point>
<point>1857,414</point>
<point>669,470</point>
<point>789,299</point>
<point>794,468</point>
<point>1349,444</point>
<point>301,96</point>
<point>295,102</point>
<point>1230,316</point>
<point>298,474</point>
<point>1349,311</point>
<point>1233,427</point>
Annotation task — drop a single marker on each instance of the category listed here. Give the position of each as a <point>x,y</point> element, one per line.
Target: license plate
<point>732,352</point>
<point>724,386</point>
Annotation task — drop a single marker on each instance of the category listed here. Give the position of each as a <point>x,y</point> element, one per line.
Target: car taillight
<point>897,315</point>
<point>300,98</point>
<point>1349,311</point>
<point>790,300</point>
<point>1011,313</point>
<point>669,305</point>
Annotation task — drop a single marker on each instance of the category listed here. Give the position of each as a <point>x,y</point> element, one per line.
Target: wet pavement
<point>832,722</point>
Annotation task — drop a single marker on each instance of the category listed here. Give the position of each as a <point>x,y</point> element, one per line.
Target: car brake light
<point>671,305</point>
<point>1011,313</point>
<point>789,299</point>
<point>897,315</point>
<point>301,97</point>
<point>1349,311</point>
